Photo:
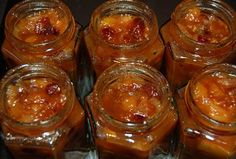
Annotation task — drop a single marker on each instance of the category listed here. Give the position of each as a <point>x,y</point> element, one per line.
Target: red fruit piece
<point>52,89</point>
<point>150,90</point>
<point>202,39</point>
<point>139,117</point>
<point>44,27</point>
<point>108,33</point>
<point>137,28</point>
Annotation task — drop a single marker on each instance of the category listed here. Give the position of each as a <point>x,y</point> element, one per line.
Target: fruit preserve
<point>131,112</point>
<point>199,33</point>
<point>121,31</point>
<point>207,114</point>
<point>40,113</point>
<point>41,31</point>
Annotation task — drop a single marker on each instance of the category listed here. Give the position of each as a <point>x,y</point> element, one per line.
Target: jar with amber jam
<point>121,31</point>
<point>131,112</point>
<point>40,115</point>
<point>199,33</point>
<point>41,31</point>
<point>207,114</point>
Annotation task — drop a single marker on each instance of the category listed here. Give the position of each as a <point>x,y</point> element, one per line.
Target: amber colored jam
<point>42,35</point>
<point>123,29</point>
<point>132,99</point>
<point>215,96</point>
<point>131,113</point>
<point>203,27</point>
<point>41,111</point>
<point>122,37</point>
<point>43,26</point>
<point>207,124</point>
<point>34,100</point>
<point>197,35</point>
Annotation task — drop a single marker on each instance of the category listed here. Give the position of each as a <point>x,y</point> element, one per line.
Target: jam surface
<point>33,100</point>
<point>215,95</point>
<point>123,29</point>
<point>203,27</point>
<point>42,26</point>
<point>132,99</point>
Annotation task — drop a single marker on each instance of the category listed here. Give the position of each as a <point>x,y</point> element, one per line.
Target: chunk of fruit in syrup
<point>44,27</point>
<point>215,100</point>
<point>33,100</point>
<point>123,29</point>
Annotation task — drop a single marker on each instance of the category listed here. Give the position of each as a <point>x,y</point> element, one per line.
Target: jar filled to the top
<point>199,33</point>
<point>41,31</point>
<point>40,114</point>
<point>207,114</point>
<point>131,113</point>
<point>121,31</point>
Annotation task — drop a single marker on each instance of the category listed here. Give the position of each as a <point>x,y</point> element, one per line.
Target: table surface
<point>82,10</point>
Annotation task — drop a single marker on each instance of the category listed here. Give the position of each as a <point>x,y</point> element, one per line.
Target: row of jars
<point>131,110</point>
<point>131,113</point>
<point>199,33</point>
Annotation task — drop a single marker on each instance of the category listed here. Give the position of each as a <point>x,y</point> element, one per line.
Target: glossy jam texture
<point>132,99</point>
<point>131,115</point>
<point>35,99</point>
<point>215,96</point>
<point>198,34</point>
<point>41,26</point>
<point>118,35</point>
<point>203,27</point>
<point>123,29</point>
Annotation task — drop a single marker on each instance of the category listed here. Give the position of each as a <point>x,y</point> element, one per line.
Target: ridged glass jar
<point>42,31</point>
<point>199,33</point>
<point>40,115</point>
<point>207,114</point>
<point>122,31</point>
<point>131,112</point>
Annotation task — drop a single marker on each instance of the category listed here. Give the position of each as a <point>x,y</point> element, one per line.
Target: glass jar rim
<point>134,68</point>
<point>211,123</point>
<point>122,6</point>
<point>13,12</point>
<point>217,6</point>
<point>37,70</point>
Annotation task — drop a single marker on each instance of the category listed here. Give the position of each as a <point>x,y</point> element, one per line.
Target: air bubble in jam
<point>35,100</point>
<point>131,99</point>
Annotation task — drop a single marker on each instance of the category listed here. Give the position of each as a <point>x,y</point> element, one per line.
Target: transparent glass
<point>131,112</point>
<point>207,114</point>
<point>42,31</point>
<point>40,114</point>
<point>121,31</point>
<point>199,33</point>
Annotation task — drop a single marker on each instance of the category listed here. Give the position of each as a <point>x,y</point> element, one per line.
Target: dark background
<point>82,10</point>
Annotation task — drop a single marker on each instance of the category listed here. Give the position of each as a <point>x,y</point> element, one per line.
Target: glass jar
<point>199,33</point>
<point>131,112</point>
<point>121,31</point>
<point>207,114</point>
<point>40,113</point>
<point>41,31</point>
